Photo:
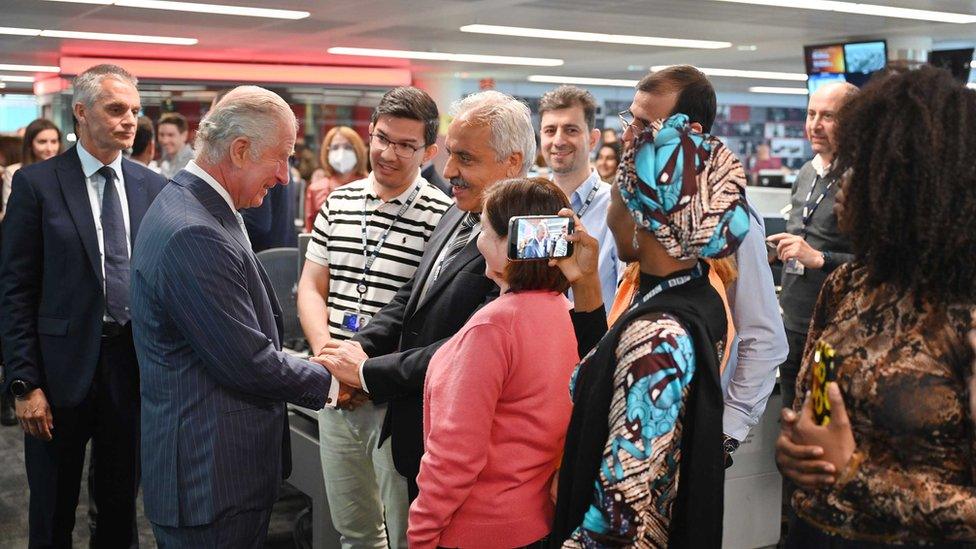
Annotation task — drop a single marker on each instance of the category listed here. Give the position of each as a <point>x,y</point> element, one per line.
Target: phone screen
<point>539,237</point>
<point>823,372</point>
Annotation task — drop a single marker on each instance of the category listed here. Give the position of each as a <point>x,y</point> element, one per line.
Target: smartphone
<point>539,237</point>
<point>824,371</point>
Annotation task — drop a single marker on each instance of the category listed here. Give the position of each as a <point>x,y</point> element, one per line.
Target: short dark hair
<point>413,104</point>
<point>565,97</point>
<point>175,119</point>
<point>11,148</point>
<point>35,127</point>
<point>526,196</point>
<point>910,199</point>
<point>144,135</point>
<point>696,95</point>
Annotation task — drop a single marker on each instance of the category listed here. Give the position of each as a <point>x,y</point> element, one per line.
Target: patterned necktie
<point>116,250</point>
<point>459,242</point>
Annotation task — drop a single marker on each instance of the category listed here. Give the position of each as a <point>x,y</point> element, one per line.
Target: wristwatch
<point>729,445</point>
<point>826,260</point>
<point>19,388</point>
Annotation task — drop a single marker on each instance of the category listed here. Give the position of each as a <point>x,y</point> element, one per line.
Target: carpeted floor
<point>14,498</point>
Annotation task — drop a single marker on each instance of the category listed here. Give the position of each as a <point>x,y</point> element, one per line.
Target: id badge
<point>793,267</point>
<point>354,322</point>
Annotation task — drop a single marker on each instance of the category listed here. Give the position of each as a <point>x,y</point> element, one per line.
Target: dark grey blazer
<point>207,328</point>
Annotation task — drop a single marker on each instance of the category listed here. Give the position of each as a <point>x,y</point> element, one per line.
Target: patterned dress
<point>903,366</point>
<point>639,472</point>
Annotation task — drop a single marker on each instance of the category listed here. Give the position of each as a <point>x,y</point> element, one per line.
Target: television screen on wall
<point>852,62</point>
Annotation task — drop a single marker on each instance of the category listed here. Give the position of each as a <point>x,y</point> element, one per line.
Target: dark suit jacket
<point>403,336</point>
<point>430,174</point>
<point>214,381</point>
<point>272,224</point>
<point>51,288</point>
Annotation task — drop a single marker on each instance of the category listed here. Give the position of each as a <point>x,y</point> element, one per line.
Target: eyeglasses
<point>628,120</point>
<point>381,143</point>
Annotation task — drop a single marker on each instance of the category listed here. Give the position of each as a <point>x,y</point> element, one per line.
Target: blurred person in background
<point>495,399</point>
<point>607,160</point>
<point>894,467</point>
<point>343,160</point>
<point>172,135</point>
<point>144,145</point>
<point>42,140</point>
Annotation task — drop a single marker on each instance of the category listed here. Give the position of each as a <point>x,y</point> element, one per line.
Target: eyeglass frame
<point>396,146</point>
<point>625,125</point>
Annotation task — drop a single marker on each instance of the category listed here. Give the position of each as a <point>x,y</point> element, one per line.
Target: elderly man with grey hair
<point>207,330</point>
<point>65,330</point>
<point>490,139</point>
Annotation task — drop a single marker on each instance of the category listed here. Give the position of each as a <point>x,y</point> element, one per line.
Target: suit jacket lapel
<point>467,254</point>
<point>136,196</point>
<point>438,239</point>
<point>214,203</point>
<point>74,188</point>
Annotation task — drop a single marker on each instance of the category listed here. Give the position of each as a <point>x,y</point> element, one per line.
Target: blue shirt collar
<point>90,165</point>
<point>581,192</point>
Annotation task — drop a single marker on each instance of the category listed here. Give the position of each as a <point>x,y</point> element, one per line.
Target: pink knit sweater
<point>496,408</point>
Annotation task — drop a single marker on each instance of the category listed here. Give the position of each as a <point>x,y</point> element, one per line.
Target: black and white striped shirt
<point>337,244</point>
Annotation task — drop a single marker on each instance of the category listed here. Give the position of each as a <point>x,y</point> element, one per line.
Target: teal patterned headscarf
<point>686,188</point>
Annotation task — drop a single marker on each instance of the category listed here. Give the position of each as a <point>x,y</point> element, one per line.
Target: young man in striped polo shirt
<point>367,241</point>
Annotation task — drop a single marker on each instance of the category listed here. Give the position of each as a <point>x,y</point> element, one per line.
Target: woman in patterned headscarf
<point>643,461</point>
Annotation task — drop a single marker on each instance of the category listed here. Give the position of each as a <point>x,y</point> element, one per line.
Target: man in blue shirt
<point>568,136</point>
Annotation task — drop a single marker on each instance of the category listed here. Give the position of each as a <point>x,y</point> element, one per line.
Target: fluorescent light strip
<point>457,57</point>
<point>196,7</point>
<point>13,78</point>
<point>736,73</point>
<point>29,68</point>
<point>111,37</point>
<point>774,89</point>
<point>582,81</point>
<point>858,8</point>
<point>595,37</point>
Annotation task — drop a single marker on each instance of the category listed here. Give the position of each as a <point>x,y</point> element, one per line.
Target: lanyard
<point>586,203</point>
<point>808,208</point>
<point>361,288</point>
<point>667,285</point>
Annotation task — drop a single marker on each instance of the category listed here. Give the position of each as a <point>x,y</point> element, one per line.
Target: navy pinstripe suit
<point>207,330</point>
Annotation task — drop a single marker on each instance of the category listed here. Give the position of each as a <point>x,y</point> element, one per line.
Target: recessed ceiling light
<point>736,73</point>
<point>747,47</point>
<point>29,68</point>
<point>582,80</point>
<point>774,89</point>
<point>13,78</point>
<point>595,37</point>
<point>865,9</point>
<point>196,7</point>
<point>439,56</point>
<point>112,37</point>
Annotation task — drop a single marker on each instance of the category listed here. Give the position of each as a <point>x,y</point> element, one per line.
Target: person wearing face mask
<point>343,160</point>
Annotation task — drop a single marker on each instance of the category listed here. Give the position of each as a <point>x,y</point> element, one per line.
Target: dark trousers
<point>789,369</point>
<point>804,535</point>
<point>109,417</point>
<point>246,530</point>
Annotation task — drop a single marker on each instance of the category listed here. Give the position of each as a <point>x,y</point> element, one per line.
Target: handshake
<point>343,359</point>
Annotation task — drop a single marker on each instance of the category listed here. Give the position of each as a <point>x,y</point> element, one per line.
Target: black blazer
<point>51,290</point>
<point>403,336</point>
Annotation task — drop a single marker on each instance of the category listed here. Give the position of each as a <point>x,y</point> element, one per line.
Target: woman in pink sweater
<point>496,400</point>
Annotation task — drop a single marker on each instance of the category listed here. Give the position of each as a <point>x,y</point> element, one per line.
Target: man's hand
<point>342,359</point>
<point>804,465</point>
<point>789,246</point>
<point>34,415</point>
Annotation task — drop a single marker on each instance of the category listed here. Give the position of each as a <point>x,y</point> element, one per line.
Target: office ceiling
<point>778,34</point>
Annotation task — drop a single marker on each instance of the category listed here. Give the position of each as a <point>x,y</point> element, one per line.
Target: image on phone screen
<point>539,237</point>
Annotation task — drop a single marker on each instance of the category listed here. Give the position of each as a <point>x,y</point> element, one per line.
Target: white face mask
<point>342,160</point>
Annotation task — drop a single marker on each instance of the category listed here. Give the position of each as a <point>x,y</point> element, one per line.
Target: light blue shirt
<point>760,345</point>
<point>595,221</point>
